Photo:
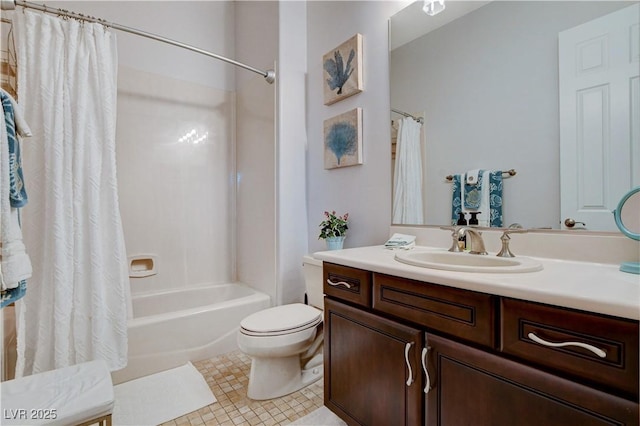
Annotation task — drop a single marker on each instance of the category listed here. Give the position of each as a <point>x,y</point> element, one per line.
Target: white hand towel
<point>16,265</point>
<point>472,176</point>
<point>401,241</point>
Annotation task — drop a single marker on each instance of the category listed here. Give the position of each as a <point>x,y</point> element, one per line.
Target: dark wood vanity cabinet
<point>475,387</point>
<point>348,284</point>
<point>463,314</point>
<point>471,358</point>
<point>596,349</point>
<point>374,375</point>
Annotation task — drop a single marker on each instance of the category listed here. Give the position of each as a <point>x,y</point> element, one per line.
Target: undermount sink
<point>465,262</point>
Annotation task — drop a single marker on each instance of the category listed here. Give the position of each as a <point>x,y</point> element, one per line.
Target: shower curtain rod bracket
<point>270,76</point>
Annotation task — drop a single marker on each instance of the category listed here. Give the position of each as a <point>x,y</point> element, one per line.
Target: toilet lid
<point>293,317</point>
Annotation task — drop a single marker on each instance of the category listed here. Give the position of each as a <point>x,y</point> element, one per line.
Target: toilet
<point>285,342</point>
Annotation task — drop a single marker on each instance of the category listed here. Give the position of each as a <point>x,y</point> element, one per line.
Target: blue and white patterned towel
<point>17,190</point>
<point>494,196</point>
<point>13,294</point>
<point>473,192</point>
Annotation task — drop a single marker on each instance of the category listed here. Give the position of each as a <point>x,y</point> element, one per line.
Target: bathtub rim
<point>254,295</point>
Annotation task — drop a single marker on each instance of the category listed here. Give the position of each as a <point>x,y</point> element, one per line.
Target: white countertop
<point>594,287</point>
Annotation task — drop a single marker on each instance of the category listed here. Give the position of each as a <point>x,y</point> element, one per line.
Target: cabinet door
<point>372,368</point>
<point>473,387</point>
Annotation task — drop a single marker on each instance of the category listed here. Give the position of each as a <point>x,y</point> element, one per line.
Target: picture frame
<point>342,76</point>
<point>343,140</point>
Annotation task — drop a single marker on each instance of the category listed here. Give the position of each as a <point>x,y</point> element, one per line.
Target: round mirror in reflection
<point>628,214</point>
<point>628,221</point>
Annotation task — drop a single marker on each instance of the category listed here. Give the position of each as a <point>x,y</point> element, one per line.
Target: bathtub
<point>170,328</point>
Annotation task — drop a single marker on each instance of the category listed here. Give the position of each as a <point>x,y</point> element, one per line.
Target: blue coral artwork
<point>343,70</point>
<point>343,140</point>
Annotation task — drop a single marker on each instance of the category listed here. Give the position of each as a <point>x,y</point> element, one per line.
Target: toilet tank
<point>312,269</point>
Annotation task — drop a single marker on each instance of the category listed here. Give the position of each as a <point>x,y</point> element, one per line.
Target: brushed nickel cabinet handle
<point>597,351</point>
<point>347,285</point>
<point>407,347</point>
<point>427,386</point>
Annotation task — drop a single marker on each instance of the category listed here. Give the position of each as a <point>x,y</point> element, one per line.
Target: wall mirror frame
<point>627,214</point>
<point>627,217</point>
<point>487,85</point>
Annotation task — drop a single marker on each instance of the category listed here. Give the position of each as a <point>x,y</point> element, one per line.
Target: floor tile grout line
<point>228,376</point>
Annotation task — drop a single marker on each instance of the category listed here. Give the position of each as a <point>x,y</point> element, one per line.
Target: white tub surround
<point>594,287</point>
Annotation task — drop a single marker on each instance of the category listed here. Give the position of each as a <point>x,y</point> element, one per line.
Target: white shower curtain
<point>407,176</point>
<point>77,302</point>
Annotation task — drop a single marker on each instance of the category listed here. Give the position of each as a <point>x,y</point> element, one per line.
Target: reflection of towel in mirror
<point>495,198</point>
<point>489,199</point>
<point>472,177</point>
<point>472,193</point>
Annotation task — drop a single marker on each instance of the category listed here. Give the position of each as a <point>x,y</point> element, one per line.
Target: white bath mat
<point>320,417</point>
<point>161,397</point>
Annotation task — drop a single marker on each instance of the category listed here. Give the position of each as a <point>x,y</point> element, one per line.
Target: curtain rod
<point>406,114</point>
<point>269,75</point>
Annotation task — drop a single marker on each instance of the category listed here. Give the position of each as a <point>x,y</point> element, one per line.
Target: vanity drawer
<point>346,283</point>
<point>607,353</point>
<point>465,314</point>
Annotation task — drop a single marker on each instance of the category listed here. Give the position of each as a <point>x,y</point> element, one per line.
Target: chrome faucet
<point>474,238</point>
<point>475,241</point>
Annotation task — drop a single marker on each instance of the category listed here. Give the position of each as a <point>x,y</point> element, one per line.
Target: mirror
<point>627,214</point>
<point>627,217</point>
<point>487,79</point>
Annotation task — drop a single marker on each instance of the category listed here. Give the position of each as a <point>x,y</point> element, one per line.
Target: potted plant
<point>333,229</point>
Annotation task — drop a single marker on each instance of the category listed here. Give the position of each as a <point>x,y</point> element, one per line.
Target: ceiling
<point>411,22</point>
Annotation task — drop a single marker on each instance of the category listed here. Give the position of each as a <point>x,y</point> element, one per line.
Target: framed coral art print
<point>343,70</point>
<point>343,140</point>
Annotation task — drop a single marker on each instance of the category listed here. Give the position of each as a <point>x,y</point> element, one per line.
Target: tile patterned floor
<point>228,376</point>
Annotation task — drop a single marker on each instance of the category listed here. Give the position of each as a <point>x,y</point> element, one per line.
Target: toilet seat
<point>281,320</point>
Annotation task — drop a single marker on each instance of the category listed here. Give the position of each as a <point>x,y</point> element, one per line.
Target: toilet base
<point>274,377</point>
